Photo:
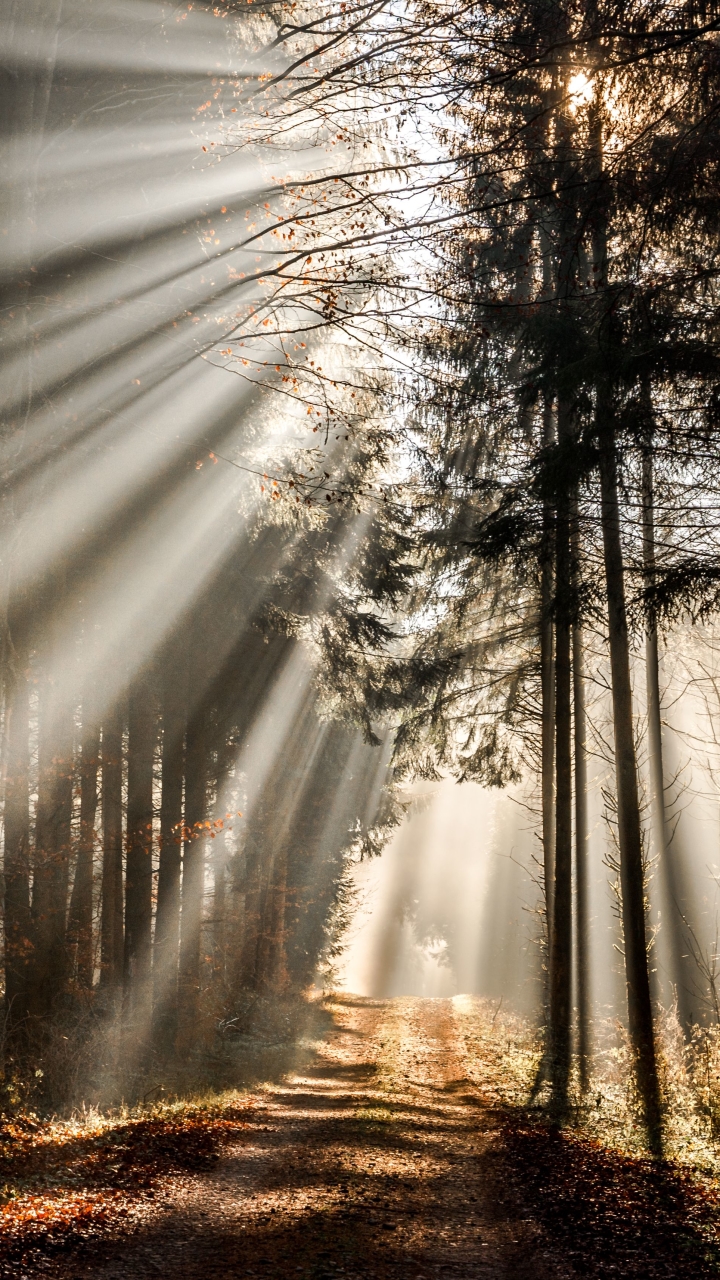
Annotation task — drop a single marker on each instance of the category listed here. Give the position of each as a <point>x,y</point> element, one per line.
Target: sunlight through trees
<point>360,407</point>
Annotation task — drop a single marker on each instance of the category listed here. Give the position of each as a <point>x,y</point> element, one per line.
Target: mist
<point>174,542</point>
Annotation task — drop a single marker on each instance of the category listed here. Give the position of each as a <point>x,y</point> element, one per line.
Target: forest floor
<point>384,1156</point>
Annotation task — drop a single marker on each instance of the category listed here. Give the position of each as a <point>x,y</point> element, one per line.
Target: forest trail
<point>379,1160</point>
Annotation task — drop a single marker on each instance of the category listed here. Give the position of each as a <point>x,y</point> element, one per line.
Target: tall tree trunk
<point>220,889</point>
<point>632,884</point>
<point>167,918</point>
<point>547,685</point>
<point>235,932</point>
<point>547,745</point>
<point>193,878</point>
<point>142,727</point>
<point>16,868</point>
<point>632,880</point>
<point>582,937</point>
<point>80,921</point>
<point>272,960</point>
<point>547,690</point>
<point>582,928</point>
<point>561,935</point>
<point>223,907</point>
<point>661,836</point>
<point>111,916</point>
<point>253,897</point>
<point>52,853</point>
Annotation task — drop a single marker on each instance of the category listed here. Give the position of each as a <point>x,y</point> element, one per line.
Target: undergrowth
<point>504,1053</point>
<point>92,1057</point>
<point>93,1127</point>
<point>62,1181</point>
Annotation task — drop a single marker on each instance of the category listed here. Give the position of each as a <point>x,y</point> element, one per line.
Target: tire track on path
<point>378,1162</point>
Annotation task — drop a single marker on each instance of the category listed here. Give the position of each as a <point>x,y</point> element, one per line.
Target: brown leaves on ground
<point>405,1150</point>
<point>613,1214</point>
<point>62,1182</point>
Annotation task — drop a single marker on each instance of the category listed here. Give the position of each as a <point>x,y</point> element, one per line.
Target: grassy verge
<point>503,1053</point>
<point>64,1180</point>
<point>614,1211</point>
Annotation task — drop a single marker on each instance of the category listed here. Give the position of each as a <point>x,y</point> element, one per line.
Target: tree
<point>80,916</point>
<point>142,728</point>
<point>534,315</point>
<point>112,913</point>
<point>16,867</point>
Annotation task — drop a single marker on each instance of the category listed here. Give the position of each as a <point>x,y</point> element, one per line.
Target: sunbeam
<point>359,534</point>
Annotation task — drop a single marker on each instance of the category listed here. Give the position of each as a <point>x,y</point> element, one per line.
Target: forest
<point>360,439</point>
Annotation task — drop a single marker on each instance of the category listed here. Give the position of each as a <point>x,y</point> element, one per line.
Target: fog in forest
<point>454,905</point>
<point>449,907</point>
<point>163,752</point>
<point>217,738</point>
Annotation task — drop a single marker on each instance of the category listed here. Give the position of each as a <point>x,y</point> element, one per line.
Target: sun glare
<point>580,91</point>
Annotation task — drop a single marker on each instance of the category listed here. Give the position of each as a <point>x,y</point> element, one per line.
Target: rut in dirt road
<point>391,1157</point>
<point>380,1161</point>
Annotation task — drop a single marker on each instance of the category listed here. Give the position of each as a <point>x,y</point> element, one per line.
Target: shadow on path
<point>614,1215</point>
<point>381,1162</point>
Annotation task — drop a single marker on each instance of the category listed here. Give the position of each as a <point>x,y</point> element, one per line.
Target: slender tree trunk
<point>220,887</point>
<point>167,919</point>
<point>52,853</point>
<point>80,922</point>
<point>272,962</point>
<point>561,934</point>
<point>252,913</point>
<point>640,1016</point>
<point>193,878</point>
<point>138,870</point>
<point>547,676</point>
<point>18,946</point>
<point>581,864</point>
<point>582,929</point>
<point>632,880</point>
<point>236,924</point>
<point>111,917</point>
<point>547,689</point>
<point>547,692</point>
<point>671,885</point>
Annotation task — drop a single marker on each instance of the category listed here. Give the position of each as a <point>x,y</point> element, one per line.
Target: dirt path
<point>379,1161</point>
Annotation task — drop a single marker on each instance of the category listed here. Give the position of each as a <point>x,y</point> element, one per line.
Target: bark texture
<point>167,919</point>
<point>80,921</point>
<point>193,878</point>
<point>16,898</point>
<point>112,914</point>
<point>640,1017</point>
<point>142,728</point>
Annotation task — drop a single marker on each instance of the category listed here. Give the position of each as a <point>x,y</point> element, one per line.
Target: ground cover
<point>403,1151</point>
<point>63,1181</point>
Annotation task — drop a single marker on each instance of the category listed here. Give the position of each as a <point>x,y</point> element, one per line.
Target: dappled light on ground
<point>390,1153</point>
